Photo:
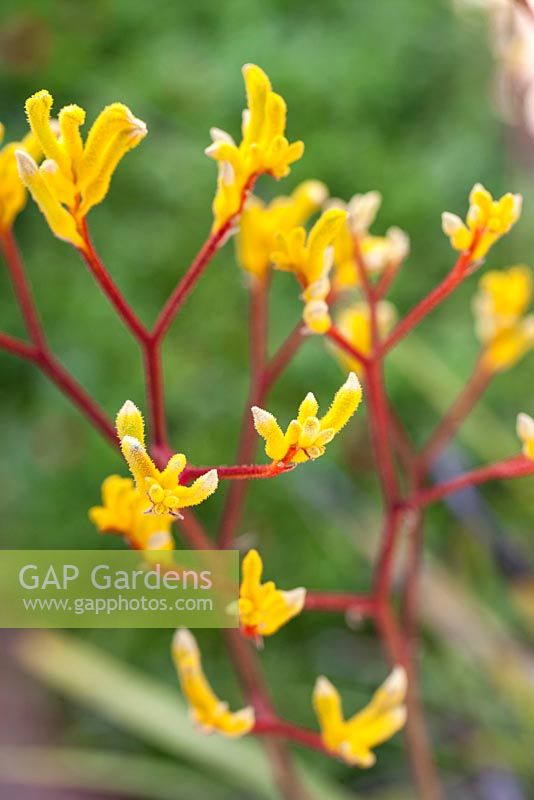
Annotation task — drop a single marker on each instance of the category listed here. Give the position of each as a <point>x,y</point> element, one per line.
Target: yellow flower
<point>487,219</point>
<point>306,437</point>
<point>260,223</point>
<point>525,431</point>
<point>379,252</point>
<point>263,148</point>
<point>353,739</point>
<point>123,512</point>
<point>207,711</point>
<point>310,258</point>
<point>12,190</point>
<point>499,306</point>
<point>355,325</point>
<point>75,175</point>
<point>160,489</point>
<point>264,609</point>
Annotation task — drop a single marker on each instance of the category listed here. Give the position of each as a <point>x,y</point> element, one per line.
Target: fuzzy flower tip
<point>263,148</point>
<point>264,609</point>
<point>123,512</point>
<point>12,191</point>
<point>206,710</point>
<point>161,489</point>
<point>75,175</point>
<point>487,220</point>
<point>310,258</point>
<point>306,436</point>
<point>261,223</point>
<point>504,329</point>
<point>354,739</point>
<point>525,431</point>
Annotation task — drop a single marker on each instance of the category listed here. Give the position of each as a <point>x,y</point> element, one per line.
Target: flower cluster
<point>502,327</point>
<point>306,436</point>
<point>487,220</point>
<point>263,148</point>
<point>161,490</point>
<point>74,176</point>
<point>261,223</point>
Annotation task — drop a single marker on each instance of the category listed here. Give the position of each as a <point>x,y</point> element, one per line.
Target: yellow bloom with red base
<point>264,609</point>
<point>353,740</point>
<point>310,258</point>
<point>487,220</point>
<point>123,512</point>
<point>75,176</point>
<point>12,190</point>
<point>306,436</point>
<point>263,148</point>
<point>525,431</point>
<point>206,710</point>
<point>355,325</point>
<point>260,223</point>
<point>502,327</point>
<point>161,489</point>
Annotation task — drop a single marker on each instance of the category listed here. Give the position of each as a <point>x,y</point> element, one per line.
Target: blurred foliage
<point>394,95</point>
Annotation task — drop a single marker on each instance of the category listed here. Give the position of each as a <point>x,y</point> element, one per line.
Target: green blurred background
<point>394,95</point>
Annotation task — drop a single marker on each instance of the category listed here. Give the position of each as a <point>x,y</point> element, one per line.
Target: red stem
<point>22,290</point>
<point>239,472</point>
<point>258,317</point>
<point>17,347</point>
<point>110,288</point>
<point>461,269</point>
<point>282,357</point>
<point>466,400</point>
<point>335,335</point>
<point>155,392</point>
<point>515,467</point>
<point>278,727</point>
<point>339,602</point>
<point>197,267</point>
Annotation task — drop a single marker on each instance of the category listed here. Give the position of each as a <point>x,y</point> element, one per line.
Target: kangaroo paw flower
<point>306,436</point>
<point>506,333</point>
<point>263,148</point>
<point>487,220</point>
<point>207,711</point>
<point>75,175</point>
<point>352,740</point>
<point>164,494</point>
<point>264,609</point>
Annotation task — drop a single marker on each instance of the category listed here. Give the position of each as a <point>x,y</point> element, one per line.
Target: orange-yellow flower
<point>75,176</point>
<point>207,712</point>
<point>487,220</point>
<point>264,609</point>
<point>306,436</point>
<point>354,323</point>
<point>506,333</point>
<point>353,739</point>
<point>260,223</point>
<point>123,511</point>
<point>161,489</point>
<point>263,148</point>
